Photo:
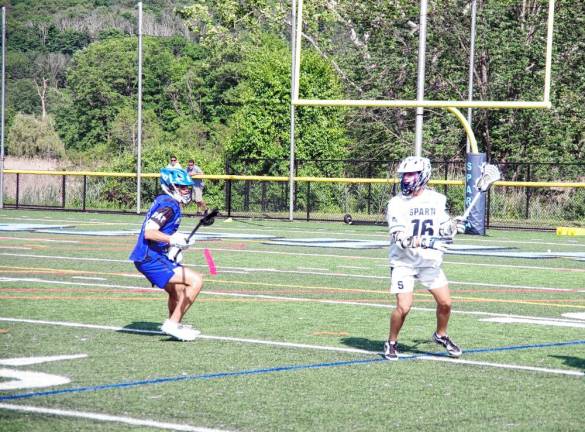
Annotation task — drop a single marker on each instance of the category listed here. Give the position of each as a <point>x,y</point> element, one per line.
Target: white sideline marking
<point>303,346</point>
<point>89,278</point>
<point>354,267</point>
<point>575,315</point>
<point>558,323</point>
<point>312,268</point>
<point>222,338</point>
<point>503,366</point>
<point>25,361</point>
<point>108,418</point>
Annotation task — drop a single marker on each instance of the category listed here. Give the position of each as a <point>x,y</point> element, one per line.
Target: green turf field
<point>291,335</point>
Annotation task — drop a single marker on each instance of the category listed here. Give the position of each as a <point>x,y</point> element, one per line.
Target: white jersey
<point>417,216</point>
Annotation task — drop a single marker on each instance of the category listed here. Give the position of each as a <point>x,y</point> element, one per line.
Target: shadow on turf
<point>148,327</point>
<point>571,361</point>
<point>143,325</point>
<point>378,345</point>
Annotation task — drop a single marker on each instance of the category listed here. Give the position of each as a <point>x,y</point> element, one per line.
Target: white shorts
<point>197,194</point>
<point>402,278</point>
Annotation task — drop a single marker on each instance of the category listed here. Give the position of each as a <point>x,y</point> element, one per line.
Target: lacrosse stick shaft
<point>472,204</point>
<point>204,219</point>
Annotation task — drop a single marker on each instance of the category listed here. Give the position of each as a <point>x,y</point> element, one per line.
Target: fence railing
<point>517,204</point>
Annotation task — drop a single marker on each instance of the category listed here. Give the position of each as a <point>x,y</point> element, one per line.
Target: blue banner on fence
<point>476,220</point>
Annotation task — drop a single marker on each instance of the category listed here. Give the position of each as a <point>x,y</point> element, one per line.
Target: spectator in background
<point>194,171</point>
<point>174,164</point>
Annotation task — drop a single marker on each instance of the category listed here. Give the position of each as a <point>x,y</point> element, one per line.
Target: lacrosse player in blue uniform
<point>158,252</point>
<point>420,229</point>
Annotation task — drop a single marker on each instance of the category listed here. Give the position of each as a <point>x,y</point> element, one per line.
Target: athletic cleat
<point>390,351</point>
<point>179,331</point>
<point>448,344</point>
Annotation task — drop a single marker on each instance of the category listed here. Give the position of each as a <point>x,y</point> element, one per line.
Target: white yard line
<point>300,346</point>
<point>25,361</point>
<point>354,267</point>
<point>107,418</point>
<point>542,321</point>
<point>575,315</point>
<point>296,254</point>
<point>312,268</point>
<point>503,366</point>
<point>89,278</point>
<point>265,296</point>
<point>315,273</point>
<point>40,240</point>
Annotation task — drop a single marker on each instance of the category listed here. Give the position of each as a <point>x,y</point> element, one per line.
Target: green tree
<point>30,136</point>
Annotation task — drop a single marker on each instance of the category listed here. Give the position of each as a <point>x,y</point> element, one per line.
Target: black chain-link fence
<point>531,206</point>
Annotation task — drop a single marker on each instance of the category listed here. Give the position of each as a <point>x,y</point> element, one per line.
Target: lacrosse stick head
<point>209,218</point>
<point>489,175</point>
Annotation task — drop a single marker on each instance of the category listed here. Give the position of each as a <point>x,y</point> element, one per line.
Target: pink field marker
<point>210,262</point>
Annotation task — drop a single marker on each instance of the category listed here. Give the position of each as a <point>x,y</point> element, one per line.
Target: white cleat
<point>179,331</point>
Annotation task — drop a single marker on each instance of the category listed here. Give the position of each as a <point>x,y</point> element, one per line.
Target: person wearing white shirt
<point>420,230</point>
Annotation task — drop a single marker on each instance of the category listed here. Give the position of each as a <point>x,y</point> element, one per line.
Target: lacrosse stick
<point>206,220</point>
<point>489,175</point>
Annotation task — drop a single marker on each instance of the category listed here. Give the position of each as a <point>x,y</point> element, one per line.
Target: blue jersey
<point>166,212</point>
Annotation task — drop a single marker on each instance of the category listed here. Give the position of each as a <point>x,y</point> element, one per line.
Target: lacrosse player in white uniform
<point>420,230</point>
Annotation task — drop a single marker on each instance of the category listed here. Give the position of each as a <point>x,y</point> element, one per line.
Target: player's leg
<point>442,297</point>
<point>398,316</point>
<point>182,285</point>
<point>436,282</point>
<point>183,288</point>
<point>402,284</point>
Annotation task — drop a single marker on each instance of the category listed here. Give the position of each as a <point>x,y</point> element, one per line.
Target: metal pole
<point>2,104</point>
<point>139,131</point>
<point>471,66</point>
<point>291,181</point>
<point>420,87</point>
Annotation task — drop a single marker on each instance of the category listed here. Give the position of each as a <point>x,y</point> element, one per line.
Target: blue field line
<point>209,376</point>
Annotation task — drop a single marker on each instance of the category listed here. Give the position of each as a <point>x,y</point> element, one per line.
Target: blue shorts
<point>158,269</point>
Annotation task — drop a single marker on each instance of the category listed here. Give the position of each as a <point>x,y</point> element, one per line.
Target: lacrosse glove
<point>436,243</point>
<point>179,241</point>
<point>460,224</point>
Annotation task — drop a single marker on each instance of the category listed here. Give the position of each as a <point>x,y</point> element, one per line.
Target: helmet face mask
<point>171,180</point>
<point>409,185</point>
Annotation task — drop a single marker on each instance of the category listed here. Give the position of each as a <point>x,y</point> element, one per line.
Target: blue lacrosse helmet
<point>170,178</point>
<point>419,165</point>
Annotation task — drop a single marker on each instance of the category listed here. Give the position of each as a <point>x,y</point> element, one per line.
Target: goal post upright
<point>452,106</point>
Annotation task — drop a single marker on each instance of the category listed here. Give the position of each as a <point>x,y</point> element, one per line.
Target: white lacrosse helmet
<point>170,178</point>
<point>419,165</point>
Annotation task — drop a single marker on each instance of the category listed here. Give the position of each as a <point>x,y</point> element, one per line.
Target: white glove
<point>436,243</point>
<point>175,254</point>
<point>460,224</point>
<point>179,241</point>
